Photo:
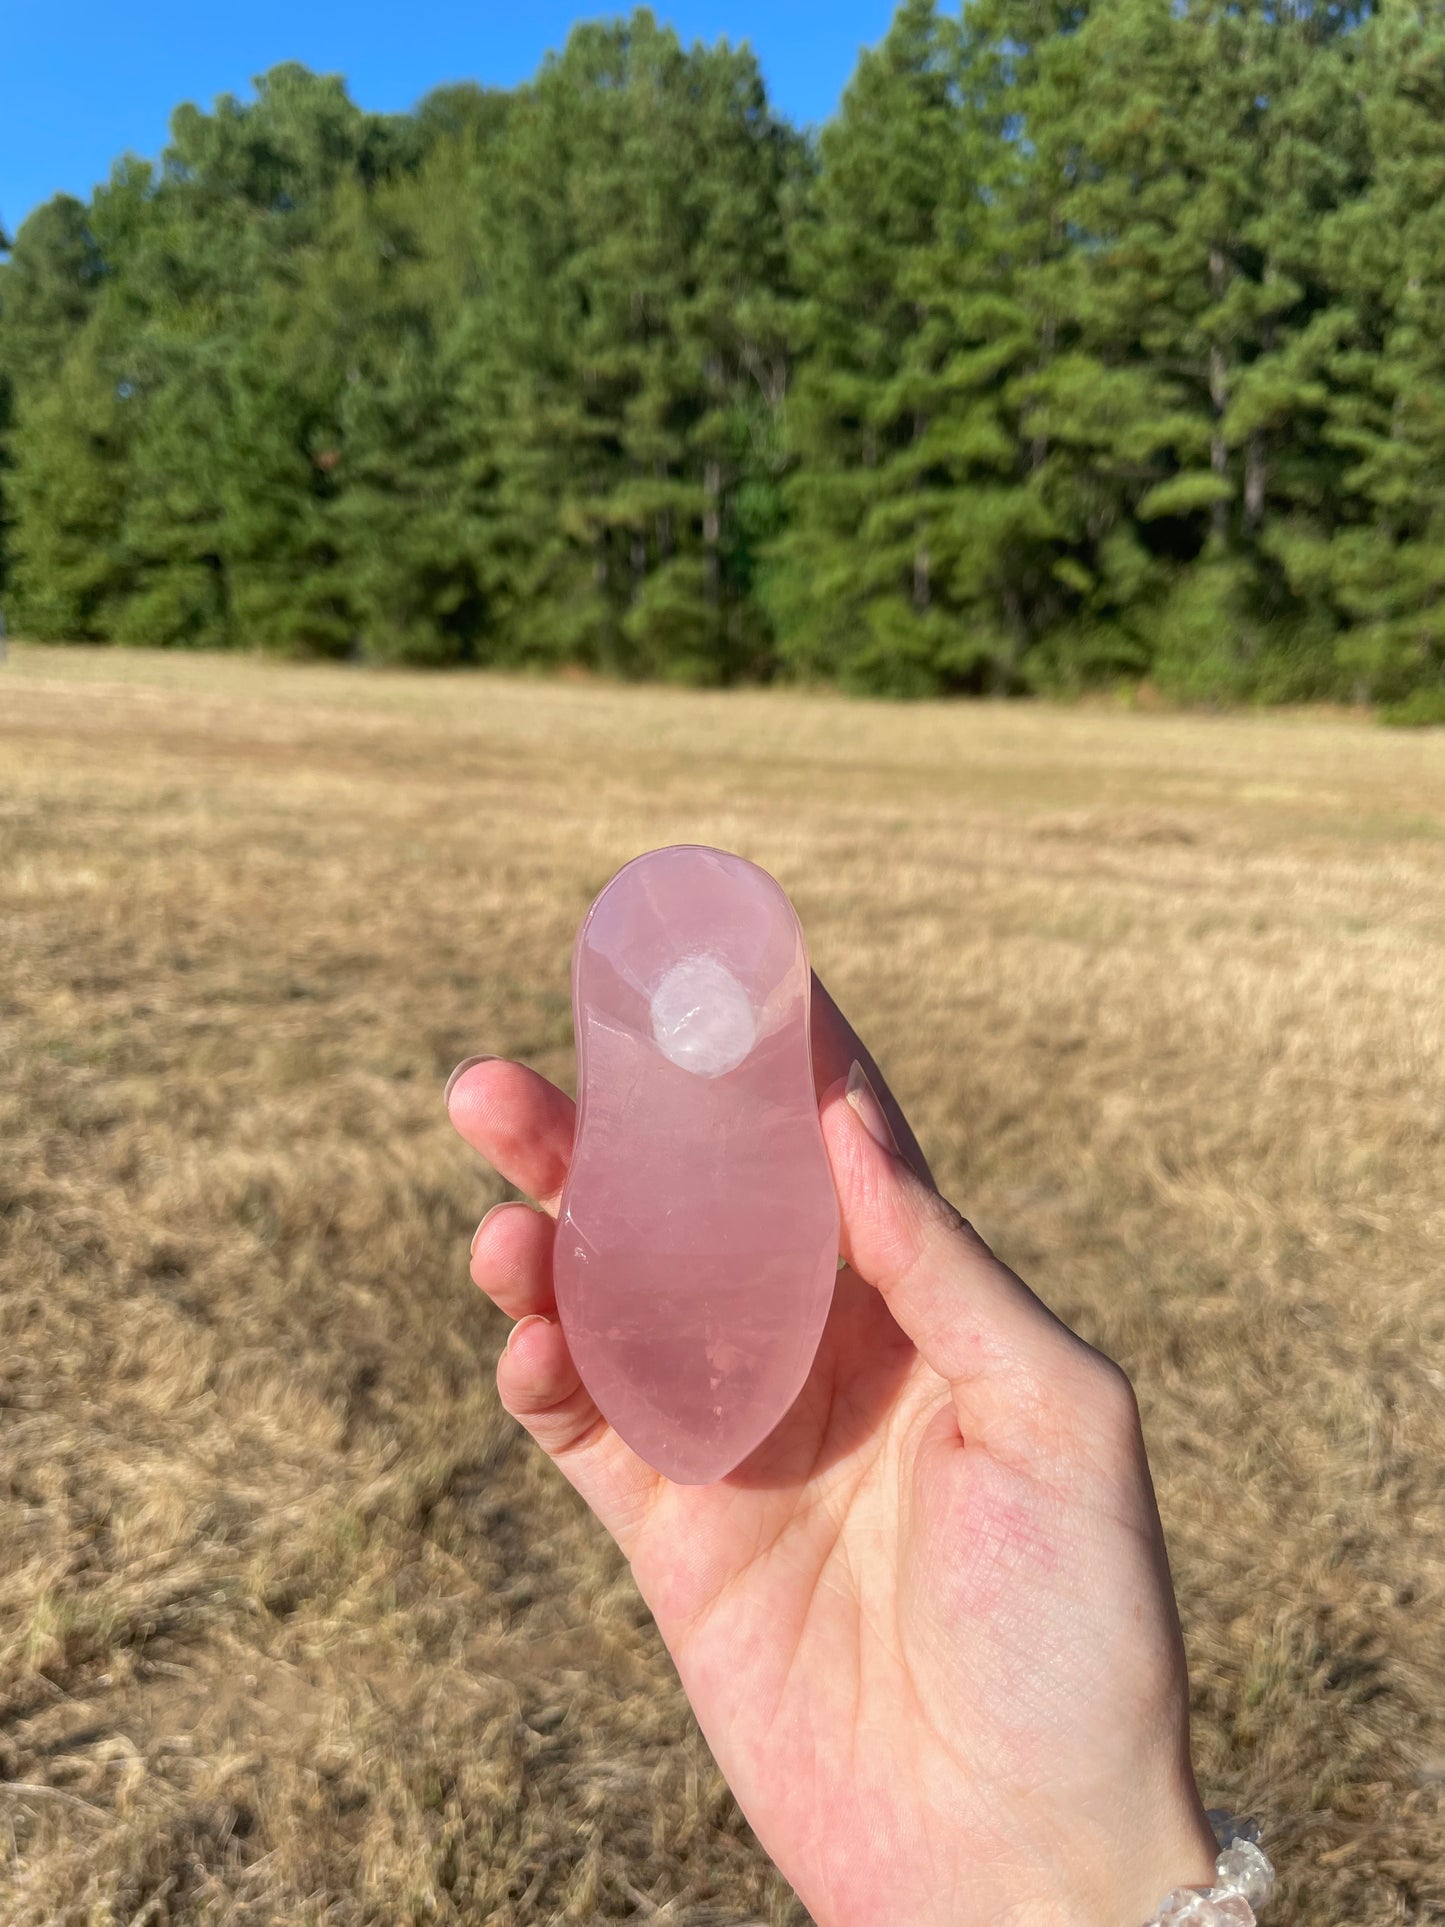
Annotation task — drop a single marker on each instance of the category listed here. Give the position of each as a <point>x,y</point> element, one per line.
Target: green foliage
<point>70,454</point>
<point>630,368</point>
<point>1421,709</point>
<point>1093,340</point>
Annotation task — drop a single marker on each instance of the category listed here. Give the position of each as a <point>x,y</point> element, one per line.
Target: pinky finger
<point>540,1386</point>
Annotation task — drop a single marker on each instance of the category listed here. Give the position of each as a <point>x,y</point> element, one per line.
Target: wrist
<point>1242,1885</point>
<point>1175,1856</point>
<point>1132,1862</point>
<point>1232,1882</point>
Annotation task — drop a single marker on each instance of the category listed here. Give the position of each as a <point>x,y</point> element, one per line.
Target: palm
<point>878,1620</point>
<point>852,1683</point>
<point>755,1586</point>
<point>752,1544</point>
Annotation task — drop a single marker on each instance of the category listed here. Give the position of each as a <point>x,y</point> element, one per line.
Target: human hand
<point>927,1627</point>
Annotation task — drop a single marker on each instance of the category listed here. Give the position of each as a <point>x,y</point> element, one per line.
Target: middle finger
<point>512,1260</point>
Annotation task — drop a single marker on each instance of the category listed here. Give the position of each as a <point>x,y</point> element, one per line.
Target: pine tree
<point>1095,337</point>
<point>1384,361</point>
<point>1197,154</point>
<point>855,580</point>
<point>70,453</point>
<point>48,287</point>
<point>412,461</point>
<point>1262,151</point>
<point>636,364</point>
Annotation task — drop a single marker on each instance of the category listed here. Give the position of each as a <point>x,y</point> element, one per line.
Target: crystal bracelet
<point>1243,1877</point>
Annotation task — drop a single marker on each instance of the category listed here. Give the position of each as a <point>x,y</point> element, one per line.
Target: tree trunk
<point>1219,400</point>
<point>1008,670</point>
<point>1254,481</point>
<point>1049,337</point>
<point>922,585</point>
<point>712,530</point>
<point>664,519</point>
<point>712,502</point>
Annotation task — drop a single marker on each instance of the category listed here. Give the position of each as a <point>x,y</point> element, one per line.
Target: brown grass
<point>294,1625</point>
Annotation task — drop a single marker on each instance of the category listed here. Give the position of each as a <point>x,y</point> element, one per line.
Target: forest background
<point>1087,344</point>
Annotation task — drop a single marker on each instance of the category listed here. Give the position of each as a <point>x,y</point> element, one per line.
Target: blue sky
<point>82,82</point>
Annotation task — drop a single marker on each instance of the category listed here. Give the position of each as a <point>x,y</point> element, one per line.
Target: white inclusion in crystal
<point>702,1018</point>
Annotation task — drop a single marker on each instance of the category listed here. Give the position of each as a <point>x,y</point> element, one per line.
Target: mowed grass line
<point>294,1627</point>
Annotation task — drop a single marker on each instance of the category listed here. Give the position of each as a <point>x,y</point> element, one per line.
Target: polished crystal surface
<point>697,1239</point>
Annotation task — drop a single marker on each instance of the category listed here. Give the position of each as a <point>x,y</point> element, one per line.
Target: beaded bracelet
<point>1244,1880</point>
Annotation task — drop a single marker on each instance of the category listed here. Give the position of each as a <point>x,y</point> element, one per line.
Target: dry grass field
<point>294,1624</point>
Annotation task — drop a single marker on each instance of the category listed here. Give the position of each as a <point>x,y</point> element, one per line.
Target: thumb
<point>975,1322</point>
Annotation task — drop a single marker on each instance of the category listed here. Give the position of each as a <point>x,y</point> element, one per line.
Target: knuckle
<point>924,1237</point>
<point>940,1222</point>
<point>568,1427</point>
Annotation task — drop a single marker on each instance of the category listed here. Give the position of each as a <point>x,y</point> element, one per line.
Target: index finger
<point>519,1122</point>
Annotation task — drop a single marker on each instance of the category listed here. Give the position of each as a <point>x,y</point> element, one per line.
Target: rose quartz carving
<point>697,1242</point>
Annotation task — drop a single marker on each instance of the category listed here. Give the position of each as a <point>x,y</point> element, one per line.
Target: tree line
<point>1091,340</point>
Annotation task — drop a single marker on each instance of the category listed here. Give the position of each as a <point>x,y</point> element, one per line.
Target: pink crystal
<point>697,1242</point>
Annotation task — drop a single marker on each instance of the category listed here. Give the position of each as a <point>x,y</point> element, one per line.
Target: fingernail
<point>874,1119</point>
<point>465,1065</point>
<point>532,1318</point>
<point>487,1216</point>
